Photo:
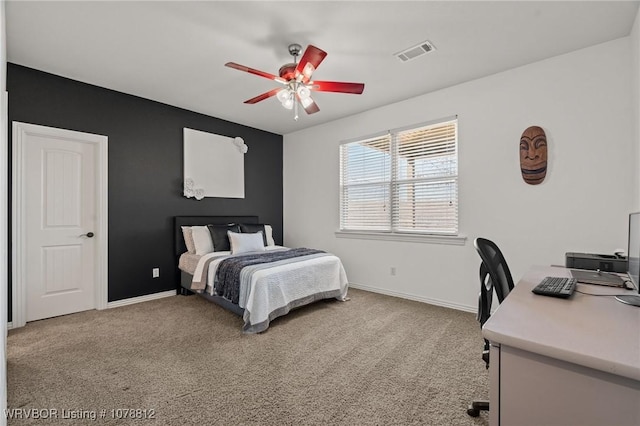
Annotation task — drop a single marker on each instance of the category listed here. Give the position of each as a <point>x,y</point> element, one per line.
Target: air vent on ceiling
<point>415,51</point>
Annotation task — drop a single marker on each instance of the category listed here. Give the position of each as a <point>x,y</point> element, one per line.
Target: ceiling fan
<point>296,79</point>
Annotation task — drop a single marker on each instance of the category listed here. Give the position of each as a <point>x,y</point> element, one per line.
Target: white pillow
<point>269,234</point>
<point>202,239</point>
<point>188,239</point>
<point>245,242</point>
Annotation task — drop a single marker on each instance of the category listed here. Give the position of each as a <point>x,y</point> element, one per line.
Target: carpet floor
<point>374,360</point>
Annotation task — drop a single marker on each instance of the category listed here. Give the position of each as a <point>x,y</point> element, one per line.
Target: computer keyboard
<point>556,287</point>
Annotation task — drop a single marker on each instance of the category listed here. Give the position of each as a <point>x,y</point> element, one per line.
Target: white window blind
<point>405,181</point>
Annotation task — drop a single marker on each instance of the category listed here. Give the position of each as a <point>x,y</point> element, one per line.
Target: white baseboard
<point>169,293</point>
<point>130,301</point>
<point>428,300</point>
<point>148,297</point>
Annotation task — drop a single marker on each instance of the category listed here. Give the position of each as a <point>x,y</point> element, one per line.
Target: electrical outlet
<point>156,272</point>
<point>393,270</point>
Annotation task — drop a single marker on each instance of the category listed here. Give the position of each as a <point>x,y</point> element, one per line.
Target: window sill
<point>457,240</point>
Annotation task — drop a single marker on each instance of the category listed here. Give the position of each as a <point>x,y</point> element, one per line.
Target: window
<point>403,181</point>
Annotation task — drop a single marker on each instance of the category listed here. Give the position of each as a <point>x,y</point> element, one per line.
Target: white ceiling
<point>174,51</point>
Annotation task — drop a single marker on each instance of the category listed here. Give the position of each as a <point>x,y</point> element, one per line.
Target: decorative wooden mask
<point>533,155</point>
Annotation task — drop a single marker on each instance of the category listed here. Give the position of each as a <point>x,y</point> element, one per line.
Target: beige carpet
<point>375,360</point>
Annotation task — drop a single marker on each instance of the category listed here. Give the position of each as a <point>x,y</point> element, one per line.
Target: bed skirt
<point>185,281</point>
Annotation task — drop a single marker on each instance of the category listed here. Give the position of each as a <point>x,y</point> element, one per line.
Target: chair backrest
<point>494,275</point>
<point>496,267</point>
<point>486,295</point>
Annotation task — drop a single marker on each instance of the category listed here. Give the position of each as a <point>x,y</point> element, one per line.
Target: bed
<point>259,286</point>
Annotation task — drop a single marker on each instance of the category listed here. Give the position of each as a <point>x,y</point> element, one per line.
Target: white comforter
<point>269,292</point>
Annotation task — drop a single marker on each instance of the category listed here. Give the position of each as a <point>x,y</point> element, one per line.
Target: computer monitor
<point>633,260</point>
<point>633,250</point>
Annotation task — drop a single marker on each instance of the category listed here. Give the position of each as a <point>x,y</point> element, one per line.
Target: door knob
<point>88,235</point>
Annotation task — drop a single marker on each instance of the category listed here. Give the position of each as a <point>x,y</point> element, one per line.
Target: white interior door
<point>60,229</point>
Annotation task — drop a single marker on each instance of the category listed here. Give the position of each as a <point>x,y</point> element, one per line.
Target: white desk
<point>564,362</point>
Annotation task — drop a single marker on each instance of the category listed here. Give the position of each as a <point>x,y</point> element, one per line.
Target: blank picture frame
<point>213,164</point>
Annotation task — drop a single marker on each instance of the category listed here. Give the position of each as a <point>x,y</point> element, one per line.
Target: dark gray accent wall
<point>145,170</point>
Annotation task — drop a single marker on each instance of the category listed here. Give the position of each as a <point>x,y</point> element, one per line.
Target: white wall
<point>583,102</point>
<point>635,73</point>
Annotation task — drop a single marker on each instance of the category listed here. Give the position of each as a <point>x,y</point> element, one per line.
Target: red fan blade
<point>336,86</point>
<point>309,62</point>
<point>262,97</point>
<point>311,107</point>
<point>254,71</point>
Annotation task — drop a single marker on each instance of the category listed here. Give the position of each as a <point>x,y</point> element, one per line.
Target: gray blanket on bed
<point>227,282</point>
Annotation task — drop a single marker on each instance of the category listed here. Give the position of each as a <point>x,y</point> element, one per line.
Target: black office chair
<point>494,275</point>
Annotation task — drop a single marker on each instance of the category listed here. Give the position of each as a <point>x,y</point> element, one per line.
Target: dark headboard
<point>180,221</point>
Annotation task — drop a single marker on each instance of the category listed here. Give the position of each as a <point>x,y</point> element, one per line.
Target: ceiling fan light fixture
<point>303,92</point>
<point>283,95</point>
<point>288,104</point>
<point>296,79</point>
